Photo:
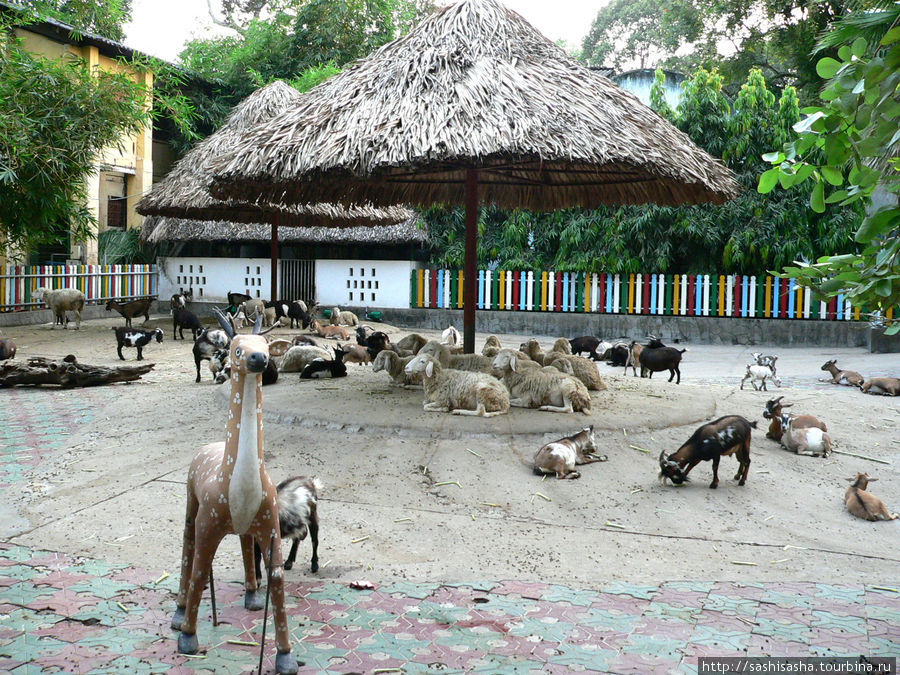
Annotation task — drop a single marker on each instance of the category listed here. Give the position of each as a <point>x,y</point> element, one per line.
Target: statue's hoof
<point>178,619</point>
<point>188,644</point>
<point>286,664</point>
<point>253,600</point>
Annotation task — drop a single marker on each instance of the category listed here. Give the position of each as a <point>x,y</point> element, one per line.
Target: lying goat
<point>848,377</point>
<point>756,373</point>
<point>298,514</point>
<point>560,457</point>
<point>864,504</point>
<point>773,411</point>
<point>327,331</point>
<point>810,441</point>
<point>712,441</point>
<point>886,386</point>
<point>136,337</point>
<point>323,368</point>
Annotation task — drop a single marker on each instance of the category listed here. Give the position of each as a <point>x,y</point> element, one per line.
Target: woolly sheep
<point>475,363</point>
<point>540,388</point>
<point>458,392</point>
<point>343,318</point>
<point>297,358</point>
<point>583,368</point>
<point>394,366</point>
<point>491,347</point>
<point>410,345</point>
<point>62,300</point>
<point>533,350</point>
<point>450,337</point>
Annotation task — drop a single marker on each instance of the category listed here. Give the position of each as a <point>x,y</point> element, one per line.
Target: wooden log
<point>66,373</point>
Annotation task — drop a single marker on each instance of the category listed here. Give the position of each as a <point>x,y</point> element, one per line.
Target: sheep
<point>589,344</point>
<point>298,357</point>
<point>356,354</point>
<point>182,299</point>
<point>62,300</point>
<point>131,309</point>
<point>491,347</point>
<point>773,412</point>
<point>410,345</point>
<point>322,368</point>
<point>562,346</point>
<point>298,514</point>
<point>185,318</point>
<point>209,342</point>
<point>712,441</point>
<point>846,377</point>
<point>560,457</point>
<point>303,340</point>
<point>333,332</point>
<point>864,504</point>
<point>395,366</point>
<point>475,363</point>
<point>810,441</point>
<point>533,349</point>
<point>135,337</point>
<point>886,386</point>
<point>537,387</point>
<point>458,392</point>
<point>765,360</point>
<point>7,349</point>
<point>582,368</point>
<point>451,337</point>
<point>756,373</point>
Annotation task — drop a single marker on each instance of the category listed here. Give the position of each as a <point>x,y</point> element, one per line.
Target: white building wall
<point>212,278</point>
<point>363,283</point>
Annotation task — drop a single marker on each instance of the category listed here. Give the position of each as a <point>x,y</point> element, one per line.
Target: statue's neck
<point>242,467</point>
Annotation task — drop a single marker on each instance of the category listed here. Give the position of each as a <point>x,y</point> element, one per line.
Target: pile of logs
<point>67,373</point>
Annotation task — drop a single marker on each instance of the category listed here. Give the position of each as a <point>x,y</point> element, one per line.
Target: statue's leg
<point>187,557</point>
<point>285,663</point>
<point>204,552</point>
<point>252,597</point>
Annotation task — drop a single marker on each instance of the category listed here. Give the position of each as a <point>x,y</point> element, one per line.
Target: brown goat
<point>356,354</point>
<point>864,504</point>
<point>886,386</point>
<point>848,377</point>
<point>724,436</point>
<point>129,310</point>
<point>773,412</point>
<point>335,332</point>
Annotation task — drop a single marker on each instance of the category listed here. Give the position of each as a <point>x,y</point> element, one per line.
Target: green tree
<point>847,146</point>
<point>55,116</point>
<point>102,17</point>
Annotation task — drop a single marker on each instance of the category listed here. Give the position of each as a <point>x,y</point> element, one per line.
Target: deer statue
<point>229,492</point>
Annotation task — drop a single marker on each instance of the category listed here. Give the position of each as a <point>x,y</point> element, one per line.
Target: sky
<point>162,27</point>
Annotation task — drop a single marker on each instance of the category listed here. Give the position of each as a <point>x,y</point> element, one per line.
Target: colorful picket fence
<point>99,283</point>
<point>672,294</point>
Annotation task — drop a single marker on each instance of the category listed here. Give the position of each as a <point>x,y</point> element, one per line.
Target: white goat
<point>450,337</point>
<point>297,358</point>
<point>395,366</point>
<point>541,388</point>
<point>765,360</point>
<point>804,441</point>
<point>60,301</point>
<point>759,374</point>
<point>458,392</point>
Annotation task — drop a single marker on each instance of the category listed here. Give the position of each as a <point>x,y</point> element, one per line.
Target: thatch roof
<point>160,228</point>
<point>184,192</point>
<point>473,85</point>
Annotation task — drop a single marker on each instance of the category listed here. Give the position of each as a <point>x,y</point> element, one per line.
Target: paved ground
<point>498,573</point>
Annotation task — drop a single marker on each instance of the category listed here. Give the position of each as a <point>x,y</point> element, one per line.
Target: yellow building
<point>122,172</point>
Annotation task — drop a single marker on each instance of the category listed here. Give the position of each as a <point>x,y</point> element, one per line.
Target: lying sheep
<point>410,345</point>
<point>533,349</point>
<point>297,358</point>
<point>339,318</point>
<point>475,363</point>
<point>560,457</point>
<point>395,366</point>
<point>540,388</point>
<point>584,369</point>
<point>491,347</point>
<point>458,392</point>
<point>886,386</point>
<point>864,504</point>
<point>62,300</point>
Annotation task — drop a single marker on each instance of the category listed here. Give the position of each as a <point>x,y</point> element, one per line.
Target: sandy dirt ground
<point>435,497</point>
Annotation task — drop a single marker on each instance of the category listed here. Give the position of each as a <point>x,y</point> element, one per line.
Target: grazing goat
<point>886,386</point>
<point>810,441</point>
<point>773,411</point>
<point>617,354</point>
<point>714,440</point>
<point>7,348</point>
<point>410,345</point>
<point>765,360</point>
<point>756,373</point>
<point>326,331</point>
<point>458,392</point>
<point>846,377</point>
<point>395,366</point>
<point>589,344</point>
<point>325,368</point>
<point>208,342</point>
<point>537,387</point>
<point>491,347</point>
<point>136,337</point>
<point>864,504</point>
<point>298,357</point>
<point>131,309</point>
<point>451,337</point>
<point>185,318</point>
<point>560,457</point>
<point>298,513</point>
<point>297,313</point>
<point>182,299</point>
<point>62,300</point>
<point>656,359</point>
<point>356,354</point>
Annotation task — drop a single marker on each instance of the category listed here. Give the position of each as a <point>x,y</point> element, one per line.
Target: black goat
<point>659,359</point>
<point>376,342</point>
<point>725,436</point>
<point>298,315</point>
<point>182,299</point>
<point>320,368</point>
<point>618,354</point>
<point>131,309</point>
<point>7,348</point>
<point>362,335</point>
<point>136,337</point>
<point>185,318</point>
<point>586,343</point>
<point>206,345</point>
<point>298,514</point>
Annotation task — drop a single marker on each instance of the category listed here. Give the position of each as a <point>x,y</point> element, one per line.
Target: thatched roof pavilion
<point>473,105</point>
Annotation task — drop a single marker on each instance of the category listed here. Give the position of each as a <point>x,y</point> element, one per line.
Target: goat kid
<point>810,441</point>
<point>328,331</point>
<point>773,411</point>
<point>560,457</point>
<point>757,373</point>
<point>131,309</point>
<point>206,345</point>
<point>136,337</point>
<point>322,368</point>
<point>847,377</point>
<point>864,504</point>
<point>298,515</point>
<point>712,441</point>
<point>765,360</point>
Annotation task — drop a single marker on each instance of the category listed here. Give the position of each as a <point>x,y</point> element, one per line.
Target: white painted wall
<point>212,278</point>
<point>363,283</point>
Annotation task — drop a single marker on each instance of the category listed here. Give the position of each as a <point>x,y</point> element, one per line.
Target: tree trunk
<point>67,373</point>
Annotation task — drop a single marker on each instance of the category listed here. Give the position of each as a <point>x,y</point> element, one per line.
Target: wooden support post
<point>274,252</point>
<point>470,283</point>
